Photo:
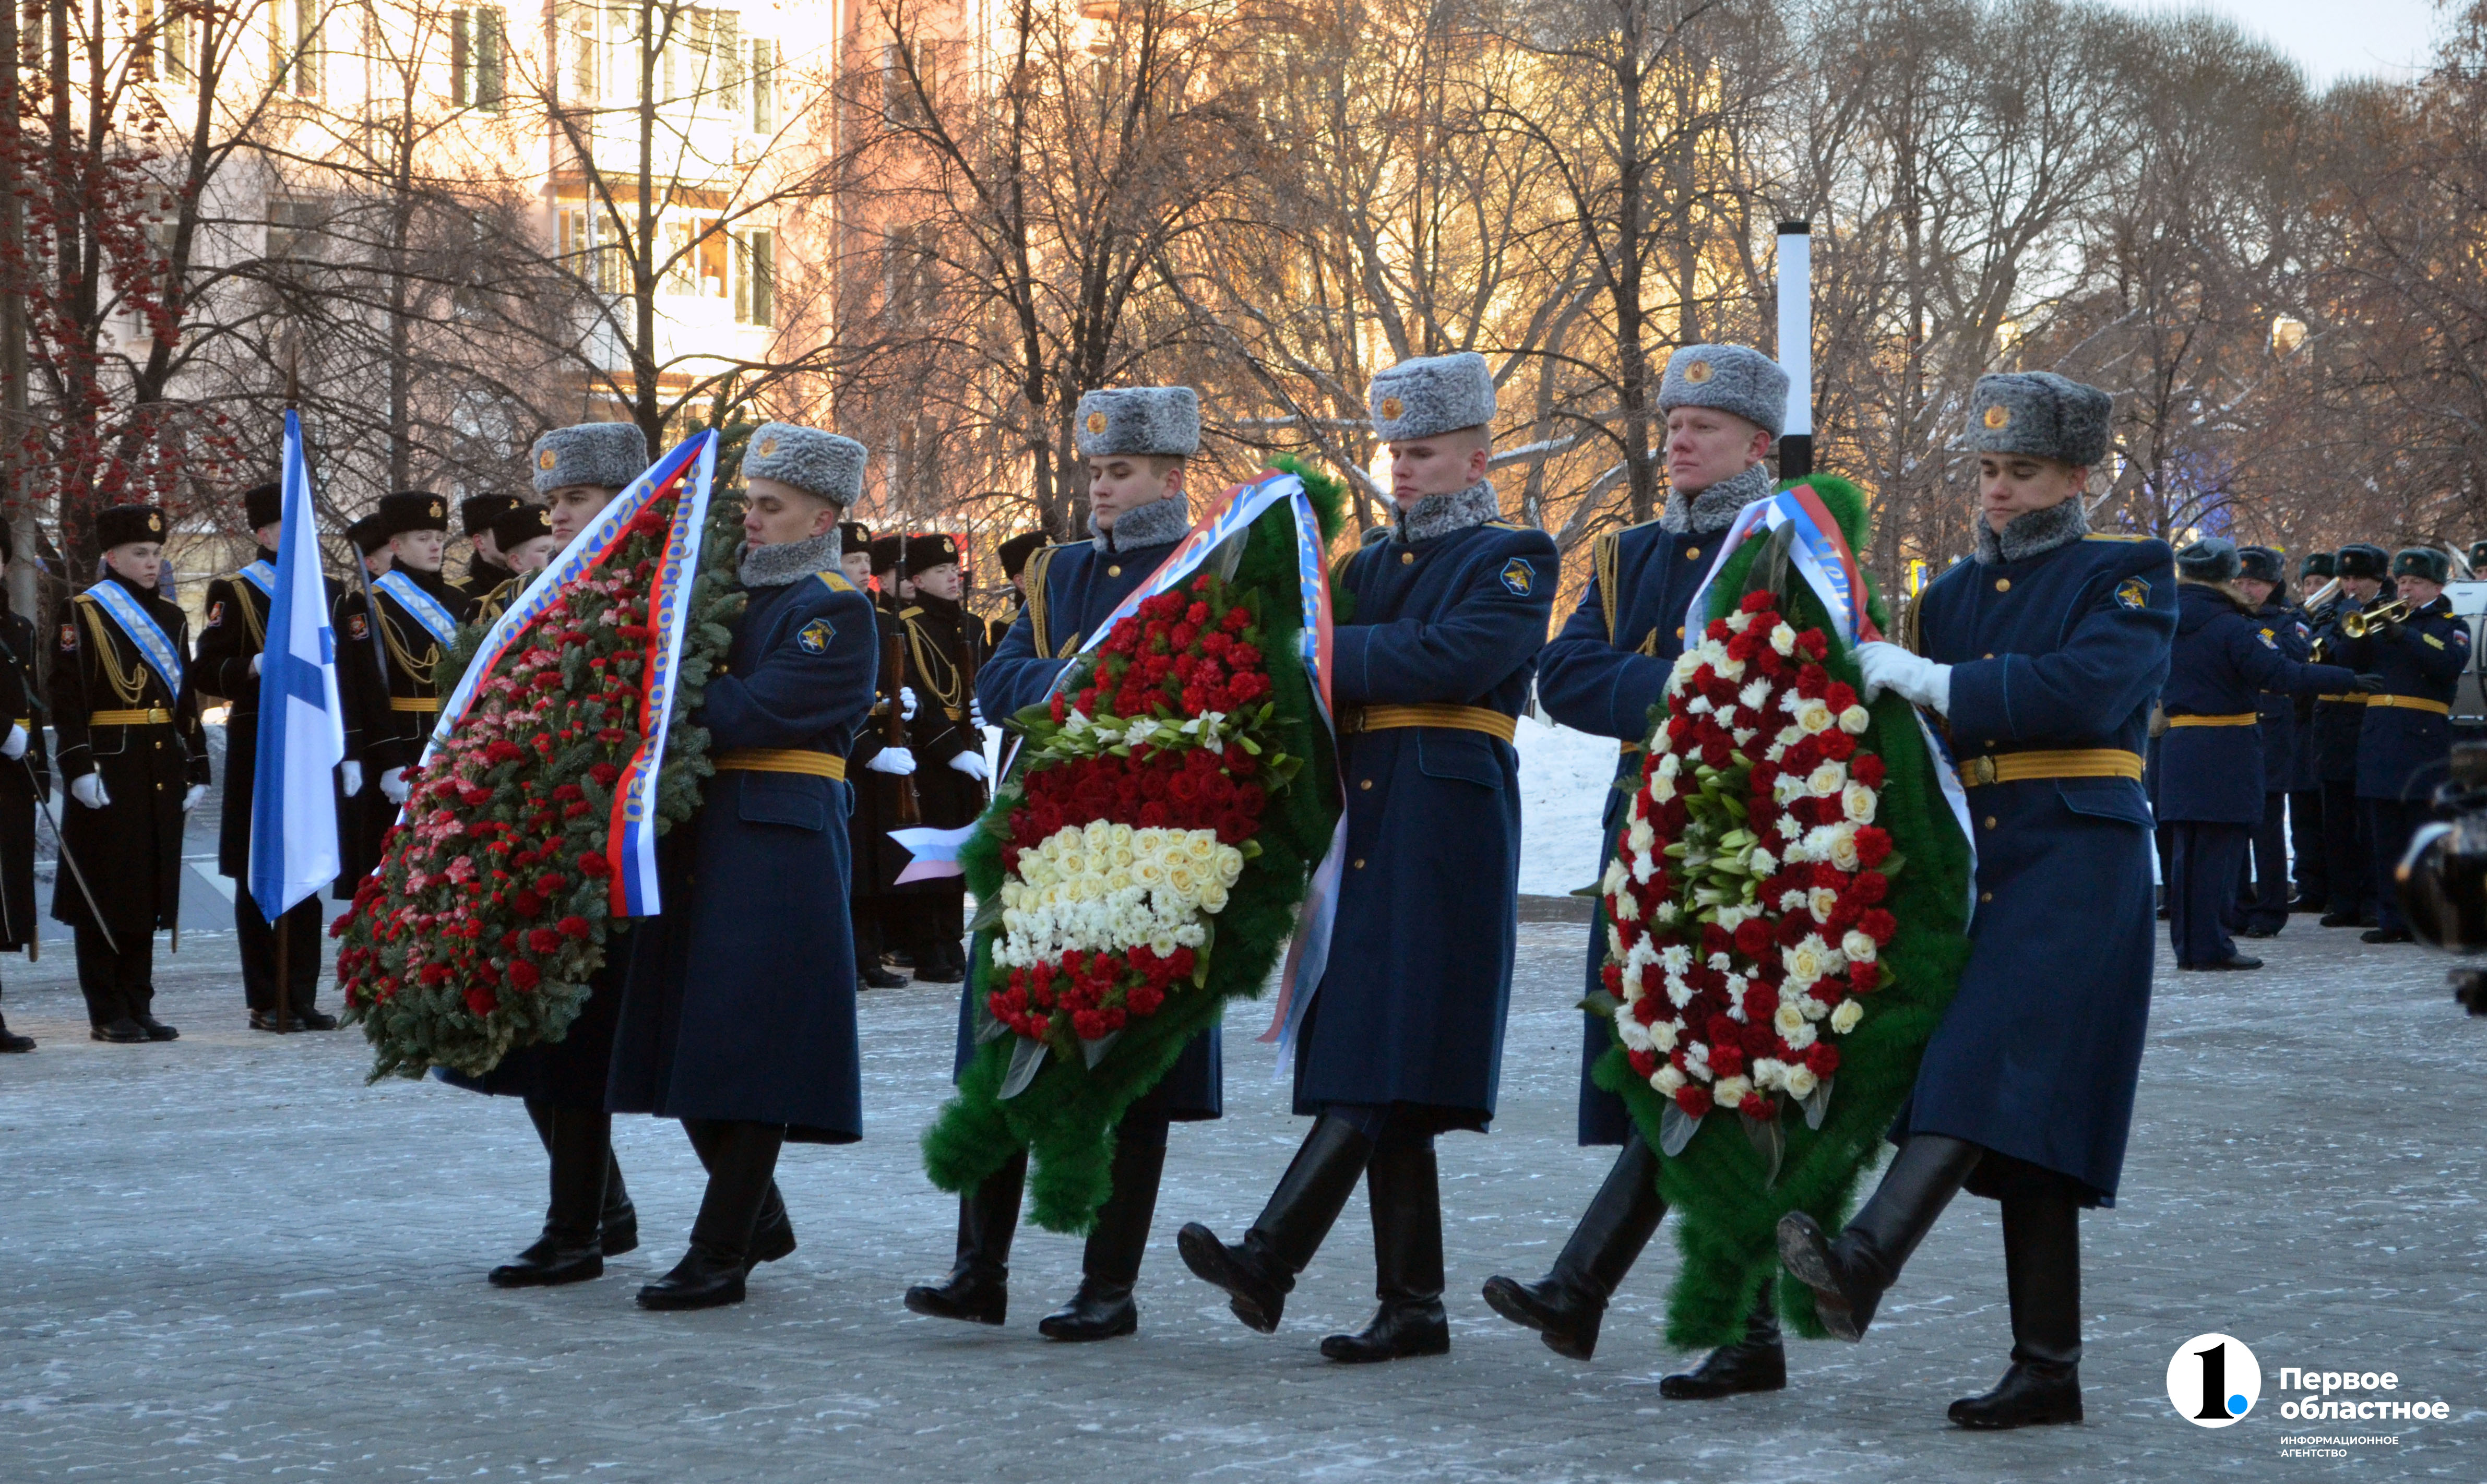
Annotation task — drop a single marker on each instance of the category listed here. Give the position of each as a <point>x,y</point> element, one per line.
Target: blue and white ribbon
<point>426,608</point>
<point>263,576</point>
<point>143,630</point>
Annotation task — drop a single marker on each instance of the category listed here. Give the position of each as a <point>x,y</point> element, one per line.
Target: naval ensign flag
<point>301,721</point>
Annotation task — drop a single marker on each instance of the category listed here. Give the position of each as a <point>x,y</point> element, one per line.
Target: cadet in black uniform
<point>390,695</point>
<point>2304,776</point>
<point>2262,901</point>
<point>944,733</point>
<point>135,760</point>
<point>1014,553</point>
<point>881,772</point>
<point>228,666</point>
<point>25,781</point>
<point>363,816</point>
<point>2339,721</point>
<point>487,563</point>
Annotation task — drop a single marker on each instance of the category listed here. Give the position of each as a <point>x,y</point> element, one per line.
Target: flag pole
<point>284,939</point>
<point>1795,347</point>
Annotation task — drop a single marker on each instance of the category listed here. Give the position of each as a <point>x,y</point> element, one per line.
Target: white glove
<point>352,776</point>
<point>392,784</point>
<point>88,789</point>
<point>254,664</point>
<point>906,703</point>
<point>1918,680</point>
<point>975,713</point>
<point>972,763</point>
<point>190,799</point>
<point>897,762</point>
<point>15,746</point>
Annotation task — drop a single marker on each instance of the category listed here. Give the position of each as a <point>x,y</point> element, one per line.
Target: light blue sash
<point>426,608</point>
<point>141,627</point>
<point>263,576</point>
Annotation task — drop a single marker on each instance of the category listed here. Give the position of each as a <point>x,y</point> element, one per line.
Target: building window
<point>173,42</point>
<point>293,228</point>
<point>477,75</point>
<point>294,45</point>
<point>755,278</point>
<point>764,87</point>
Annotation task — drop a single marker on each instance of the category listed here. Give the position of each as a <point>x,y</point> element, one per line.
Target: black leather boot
<point>1260,1271</point>
<point>1406,1193</point>
<point>978,1287</point>
<point>570,1251</point>
<point>11,1040</point>
<point>1566,1305</point>
<point>1849,1275</point>
<point>772,1231</point>
<point>742,1170</point>
<point>1757,1362</point>
<point>1103,1308</point>
<point>2042,1265</point>
<point>619,1230</point>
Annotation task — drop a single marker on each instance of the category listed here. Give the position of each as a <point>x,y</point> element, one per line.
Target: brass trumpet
<point>2357,626</point>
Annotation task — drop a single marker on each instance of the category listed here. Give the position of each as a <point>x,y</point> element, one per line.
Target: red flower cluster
<point>1096,993</point>
<point>1150,789</point>
<point>1177,656</point>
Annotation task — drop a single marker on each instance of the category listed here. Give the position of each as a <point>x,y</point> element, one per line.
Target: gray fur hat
<point>2211,559</point>
<point>1733,378</point>
<point>826,465</point>
<point>2041,414</point>
<point>605,454</point>
<point>1164,421</point>
<point>1430,395</point>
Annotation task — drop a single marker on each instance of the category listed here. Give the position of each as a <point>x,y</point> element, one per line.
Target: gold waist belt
<point>2069,763</point>
<point>1464,719</point>
<point>2412,703</point>
<point>428,705</point>
<point>152,716</point>
<point>955,712</point>
<point>2231,718</point>
<point>781,760</point>
<point>2353,698</point>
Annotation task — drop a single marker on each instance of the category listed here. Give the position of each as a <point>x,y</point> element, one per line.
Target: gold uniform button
<point>1692,552</point>
<point>1679,631</point>
<point>1990,821</point>
<point>1360,863</point>
<point>1989,654</point>
<point>1407,557</point>
<point>2004,584</point>
<point>1114,571</point>
<point>1366,784</point>
<point>1986,896</point>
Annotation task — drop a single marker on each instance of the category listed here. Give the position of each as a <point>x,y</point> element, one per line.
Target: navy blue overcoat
<point>2037,1055</point>
<point>1410,1006</point>
<point>2225,665</point>
<point>2408,730</point>
<point>741,998</point>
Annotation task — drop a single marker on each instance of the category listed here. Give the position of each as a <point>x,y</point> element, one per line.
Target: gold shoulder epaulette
<point>913,612</point>
<point>835,581</point>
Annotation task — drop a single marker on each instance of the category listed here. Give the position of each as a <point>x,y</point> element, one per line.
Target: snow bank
<point>1563,780</point>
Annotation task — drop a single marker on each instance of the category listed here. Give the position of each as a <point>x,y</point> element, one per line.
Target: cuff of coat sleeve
<point>1348,649</point>
<point>1980,702</point>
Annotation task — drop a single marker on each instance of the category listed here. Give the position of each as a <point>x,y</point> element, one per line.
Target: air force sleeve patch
<point>2132,593</point>
<point>1518,578</point>
<point>814,637</point>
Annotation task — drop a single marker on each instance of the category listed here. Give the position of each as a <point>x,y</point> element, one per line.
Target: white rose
<point>1857,801</point>
<point>1738,623</point>
<point>1731,1091</point>
<point>1728,669</point>
<point>1768,1071</point>
<point>1614,880</point>
<point>1858,947</point>
<point>1799,1082</point>
<point>1825,780</point>
<point>1666,1081</point>
<point>1149,872</point>
<point>1099,835</point>
<point>1844,1018</point>
<point>1669,765</point>
<point>1661,1036</point>
<point>1808,960</point>
<point>1685,664</point>
<point>1787,1020</point>
<point>1185,882</point>
<point>1814,714</point>
<point>1634,982</point>
<point>1783,640</point>
<point>1118,834</point>
<point>1843,849</point>
<point>1854,720</point>
<point>1640,837</point>
<point>1118,881</point>
<point>1213,898</point>
<point>1822,902</point>
<point>1662,789</point>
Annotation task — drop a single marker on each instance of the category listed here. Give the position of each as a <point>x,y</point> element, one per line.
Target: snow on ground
<point>1563,780</point>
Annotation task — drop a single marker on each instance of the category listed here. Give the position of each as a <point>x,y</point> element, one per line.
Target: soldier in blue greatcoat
<point>738,1011</point>
<point>2339,721</point>
<point>2042,653</point>
<point>2407,741</point>
<point>1136,440</point>
<point>2212,797</point>
<point>1602,675</point>
<point>2313,884</point>
<point>1402,1037</point>
<point>2262,897</point>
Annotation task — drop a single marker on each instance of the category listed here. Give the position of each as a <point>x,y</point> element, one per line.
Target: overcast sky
<point>2331,38</point>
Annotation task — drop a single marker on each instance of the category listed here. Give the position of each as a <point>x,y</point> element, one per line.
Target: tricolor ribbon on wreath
<point>1820,554</point>
<point>689,468</point>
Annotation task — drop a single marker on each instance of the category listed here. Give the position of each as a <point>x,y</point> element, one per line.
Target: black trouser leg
<point>978,1287</point>
<point>1567,1305</point>
<point>1110,1263</point>
<point>571,1249</point>
<point>99,978</point>
<point>2268,910</point>
<point>1404,1186</point>
<point>2344,848</point>
<point>1850,1274</point>
<point>2389,824</point>
<point>1258,1273</point>
<point>2305,842</point>
<point>2043,1275</point>
<point>742,1159</point>
<point>300,928</point>
<point>773,1236</point>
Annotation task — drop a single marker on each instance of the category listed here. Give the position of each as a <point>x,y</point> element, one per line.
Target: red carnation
<point>542,941</point>
<point>525,902</point>
<point>1822,1058</point>
<point>592,863</point>
<point>482,1000</point>
<point>574,927</point>
<point>1868,771</point>
<point>1876,923</point>
<point>1873,845</point>
<point>1756,601</point>
<point>1693,1099</point>
<point>1754,937</point>
<point>605,773</point>
<point>1872,886</point>
<point>1865,978</point>
<point>1644,1064</point>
